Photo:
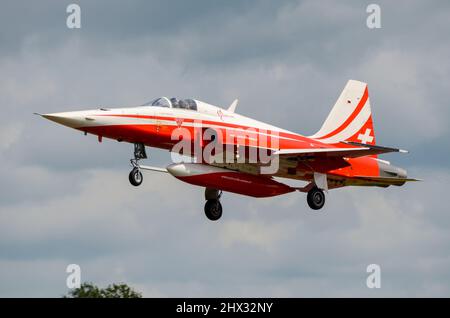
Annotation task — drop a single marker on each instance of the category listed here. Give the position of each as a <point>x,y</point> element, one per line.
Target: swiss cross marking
<point>366,137</point>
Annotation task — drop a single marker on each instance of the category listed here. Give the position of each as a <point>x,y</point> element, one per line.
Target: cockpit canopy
<point>173,103</point>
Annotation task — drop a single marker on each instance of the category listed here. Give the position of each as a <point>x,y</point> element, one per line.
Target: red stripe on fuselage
<point>298,141</point>
<point>148,134</point>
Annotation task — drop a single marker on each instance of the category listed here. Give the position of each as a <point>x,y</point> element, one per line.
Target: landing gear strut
<point>213,208</point>
<point>135,175</point>
<point>315,198</point>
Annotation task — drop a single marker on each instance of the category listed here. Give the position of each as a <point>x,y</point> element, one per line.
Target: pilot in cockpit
<point>183,104</point>
<point>174,102</point>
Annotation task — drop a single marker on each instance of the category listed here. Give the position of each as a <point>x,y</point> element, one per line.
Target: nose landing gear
<point>135,175</point>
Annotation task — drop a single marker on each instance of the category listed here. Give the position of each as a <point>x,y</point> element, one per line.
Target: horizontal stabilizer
<point>382,149</point>
<point>335,152</point>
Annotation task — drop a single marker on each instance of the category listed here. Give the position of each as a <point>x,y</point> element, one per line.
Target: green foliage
<point>89,290</point>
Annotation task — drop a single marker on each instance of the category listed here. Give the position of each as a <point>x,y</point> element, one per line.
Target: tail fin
<point>351,117</point>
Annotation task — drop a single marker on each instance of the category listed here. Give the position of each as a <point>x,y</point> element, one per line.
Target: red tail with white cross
<point>351,117</point>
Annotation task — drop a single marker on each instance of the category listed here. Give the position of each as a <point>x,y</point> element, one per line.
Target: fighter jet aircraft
<point>234,153</point>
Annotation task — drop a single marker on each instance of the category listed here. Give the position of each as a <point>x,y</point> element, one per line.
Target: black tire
<point>135,177</point>
<point>213,209</point>
<point>316,198</point>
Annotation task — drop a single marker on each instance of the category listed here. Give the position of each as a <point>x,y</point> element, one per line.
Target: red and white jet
<point>244,155</point>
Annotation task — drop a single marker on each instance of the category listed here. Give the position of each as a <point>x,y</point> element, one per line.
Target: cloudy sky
<point>66,199</point>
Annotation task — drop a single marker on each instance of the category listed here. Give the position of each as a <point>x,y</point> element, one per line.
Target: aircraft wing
<point>354,152</point>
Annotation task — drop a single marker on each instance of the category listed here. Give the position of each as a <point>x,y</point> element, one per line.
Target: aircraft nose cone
<point>69,119</point>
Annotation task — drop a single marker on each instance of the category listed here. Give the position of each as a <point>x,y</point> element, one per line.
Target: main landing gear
<point>135,175</point>
<point>315,198</point>
<point>213,208</point>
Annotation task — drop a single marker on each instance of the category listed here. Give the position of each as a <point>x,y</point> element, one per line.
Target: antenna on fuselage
<point>233,105</point>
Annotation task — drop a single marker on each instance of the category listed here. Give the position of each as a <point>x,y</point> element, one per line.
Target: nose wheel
<point>315,198</point>
<point>135,175</point>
